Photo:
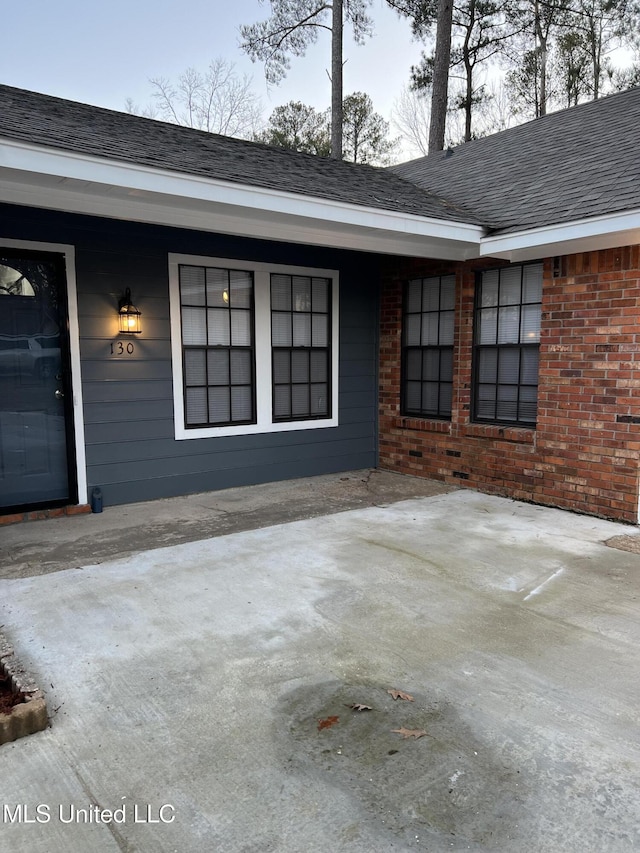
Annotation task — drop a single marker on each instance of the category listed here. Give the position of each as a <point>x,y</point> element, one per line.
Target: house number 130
<point>119,348</point>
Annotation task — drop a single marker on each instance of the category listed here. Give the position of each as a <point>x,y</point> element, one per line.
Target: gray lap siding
<point>131,451</point>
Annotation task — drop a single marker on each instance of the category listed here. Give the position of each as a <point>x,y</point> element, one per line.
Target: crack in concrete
<point>123,845</point>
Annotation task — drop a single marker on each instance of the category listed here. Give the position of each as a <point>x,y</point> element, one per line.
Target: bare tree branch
<point>411,117</point>
<point>218,101</point>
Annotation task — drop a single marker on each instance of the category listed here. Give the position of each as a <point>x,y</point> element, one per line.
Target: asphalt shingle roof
<point>578,163</point>
<point>80,128</point>
<point>574,164</point>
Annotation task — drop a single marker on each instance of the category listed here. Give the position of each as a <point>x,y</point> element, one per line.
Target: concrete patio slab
<point>61,543</point>
<point>192,688</point>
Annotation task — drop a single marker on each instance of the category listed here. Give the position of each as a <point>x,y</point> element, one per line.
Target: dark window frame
<point>521,347</point>
<point>229,348</point>
<point>442,411</point>
<point>292,350</point>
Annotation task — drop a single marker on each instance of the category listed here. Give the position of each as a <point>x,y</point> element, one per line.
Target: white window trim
<point>262,288</point>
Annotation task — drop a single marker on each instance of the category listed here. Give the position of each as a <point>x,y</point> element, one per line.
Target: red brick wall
<point>583,454</point>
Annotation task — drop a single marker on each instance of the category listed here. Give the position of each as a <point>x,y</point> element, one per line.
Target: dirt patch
<point>9,697</point>
<point>23,710</point>
<point>625,543</point>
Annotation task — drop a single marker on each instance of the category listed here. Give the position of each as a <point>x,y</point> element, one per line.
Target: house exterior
<point>472,316</point>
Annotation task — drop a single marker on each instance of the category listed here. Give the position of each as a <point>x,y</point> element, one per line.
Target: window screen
<point>217,313</point>
<point>507,342</point>
<point>427,346</point>
<point>300,347</point>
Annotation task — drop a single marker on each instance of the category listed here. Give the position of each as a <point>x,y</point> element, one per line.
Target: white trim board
<point>583,235</point>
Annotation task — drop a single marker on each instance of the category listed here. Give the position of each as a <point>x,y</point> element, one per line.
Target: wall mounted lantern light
<point>128,315</point>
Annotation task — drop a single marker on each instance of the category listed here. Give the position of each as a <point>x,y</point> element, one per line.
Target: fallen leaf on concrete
<point>357,706</point>
<point>414,733</point>
<point>326,724</point>
<point>398,694</point>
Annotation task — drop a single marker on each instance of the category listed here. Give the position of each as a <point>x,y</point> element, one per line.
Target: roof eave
<point>599,232</point>
<point>62,180</point>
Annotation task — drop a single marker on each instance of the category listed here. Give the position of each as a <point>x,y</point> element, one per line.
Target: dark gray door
<point>36,434</point>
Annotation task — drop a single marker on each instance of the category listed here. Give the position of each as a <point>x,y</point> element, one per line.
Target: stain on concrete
<point>625,543</point>
<point>446,785</point>
<point>52,545</point>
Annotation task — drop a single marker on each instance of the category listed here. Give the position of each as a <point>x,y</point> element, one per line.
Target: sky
<point>103,53</point>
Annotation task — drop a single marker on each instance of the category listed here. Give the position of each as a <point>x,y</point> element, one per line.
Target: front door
<point>36,429</point>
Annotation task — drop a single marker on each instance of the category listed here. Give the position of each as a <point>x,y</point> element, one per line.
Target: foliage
<point>564,55</point>
<point>294,25</point>
<point>571,68</point>
<point>493,115</point>
<point>480,32</point>
<point>422,15</point>
<point>366,133</point>
<point>626,78</point>
<point>550,54</point>
<point>555,53</point>
<point>298,127</point>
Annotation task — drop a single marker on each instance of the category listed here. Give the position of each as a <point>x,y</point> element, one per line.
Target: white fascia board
<point>583,235</point>
<point>226,219</point>
<point>146,183</point>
